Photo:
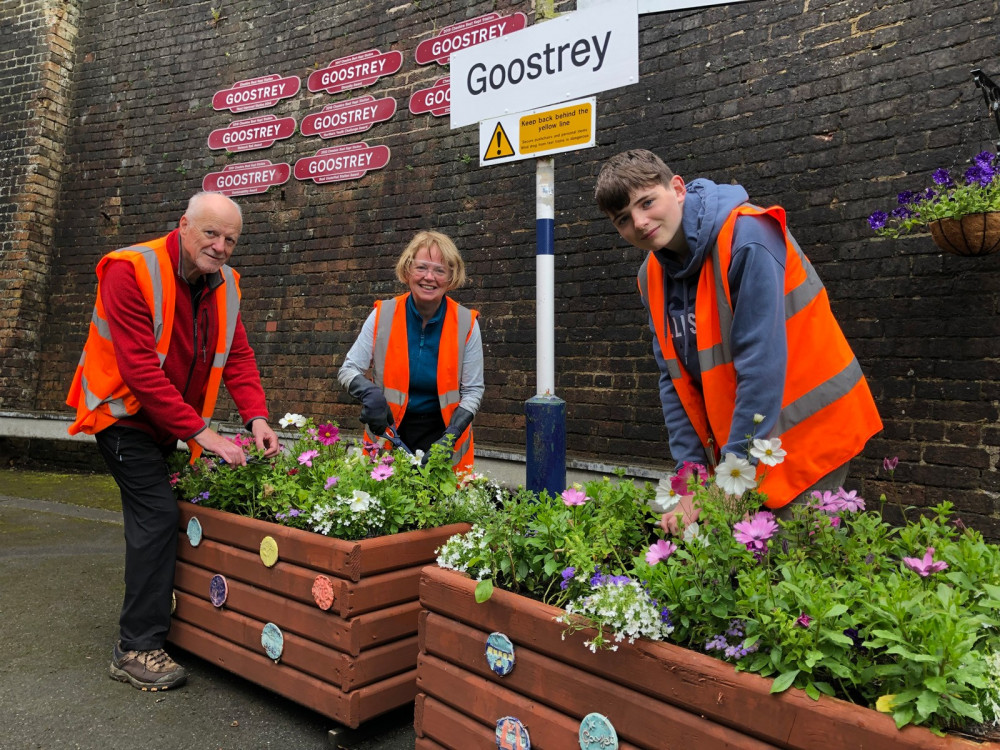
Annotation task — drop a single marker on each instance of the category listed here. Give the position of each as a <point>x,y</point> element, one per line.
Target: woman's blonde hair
<point>449,254</point>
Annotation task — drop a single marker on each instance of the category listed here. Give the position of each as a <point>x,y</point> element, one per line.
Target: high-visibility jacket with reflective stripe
<point>827,411</point>
<point>391,364</point>
<point>98,392</point>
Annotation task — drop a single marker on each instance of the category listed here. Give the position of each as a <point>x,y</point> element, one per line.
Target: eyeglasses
<point>435,269</point>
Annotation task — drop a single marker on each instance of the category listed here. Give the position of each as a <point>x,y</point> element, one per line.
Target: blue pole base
<point>546,449</point>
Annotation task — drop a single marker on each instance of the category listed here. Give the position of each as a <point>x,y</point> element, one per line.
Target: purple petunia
<point>567,576</point>
<point>906,197</point>
<point>878,219</point>
<point>901,212</point>
<point>942,178</point>
<point>924,567</point>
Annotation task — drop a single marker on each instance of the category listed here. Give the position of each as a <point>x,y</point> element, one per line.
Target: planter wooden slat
<point>294,581</point>
<point>686,679</point>
<point>350,636</point>
<point>336,667</point>
<point>348,708</point>
<point>447,728</point>
<point>425,743</point>
<point>569,690</point>
<point>337,557</point>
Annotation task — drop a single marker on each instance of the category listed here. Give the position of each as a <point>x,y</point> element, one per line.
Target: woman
<point>426,355</point>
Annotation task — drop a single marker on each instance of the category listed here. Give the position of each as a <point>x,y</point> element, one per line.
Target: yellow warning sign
<point>556,128</point>
<point>499,146</point>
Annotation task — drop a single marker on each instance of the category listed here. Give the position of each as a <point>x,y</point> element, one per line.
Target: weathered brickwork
<point>36,59</point>
<point>828,107</point>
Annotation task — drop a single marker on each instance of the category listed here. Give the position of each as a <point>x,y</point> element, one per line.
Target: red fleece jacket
<point>172,396</point>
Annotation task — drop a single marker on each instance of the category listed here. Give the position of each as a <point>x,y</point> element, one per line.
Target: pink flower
<point>660,550</point>
<point>327,434</point>
<point>330,481</point>
<point>690,469</point>
<point>804,620</point>
<point>850,501</point>
<point>306,457</point>
<point>382,471</point>
<point>890,464</point>
<point>927,565</point>
<point>574,496</point>
<point>755,532</point>
<point>828,502</point>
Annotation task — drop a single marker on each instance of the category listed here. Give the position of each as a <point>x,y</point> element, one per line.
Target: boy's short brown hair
<point>625,172</point>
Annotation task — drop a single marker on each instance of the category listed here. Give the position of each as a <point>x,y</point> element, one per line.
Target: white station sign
<point>575,55</point>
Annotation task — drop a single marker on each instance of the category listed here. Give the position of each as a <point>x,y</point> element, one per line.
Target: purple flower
<point>979,173</point>
<point>890,464</point>
<point>381,472</point>
<point>567,576</point>
<point>942,178</point>
<point>755,532</point>
<point>906,197</point>
<point>804,620</point>
<point>665,616</point>
<point>850,501</point>
<point>327,434</point>
<point>855,636</point>
<point>306,457</point>
<point>984,158</point>
<point>877,220</point>
<point>330,481</point>
<point>293,512</point>
<point>925,566</point>
<point>660,550</point>
<point>901,212</point>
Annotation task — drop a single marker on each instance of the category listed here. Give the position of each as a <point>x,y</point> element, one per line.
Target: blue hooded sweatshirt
<point>756,280</point>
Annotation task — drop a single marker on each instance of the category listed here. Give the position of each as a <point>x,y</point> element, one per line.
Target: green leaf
<point>484,590</point>
<point>784,681</point>
<point>927,703</point>
<point>936,683</point>
<point>812,692</point>
<point>836,610</point>
<point>836,637</point>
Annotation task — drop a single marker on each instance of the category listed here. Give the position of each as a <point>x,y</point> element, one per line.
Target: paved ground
<point>61,567</point>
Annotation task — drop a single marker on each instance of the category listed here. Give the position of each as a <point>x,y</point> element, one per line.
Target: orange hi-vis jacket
<point>391,365</point>
<point>827,410</point>
<point>98,392</point>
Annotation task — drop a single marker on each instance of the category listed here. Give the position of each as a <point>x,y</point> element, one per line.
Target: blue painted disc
<point>194,531</point>
<point>272,640</point>
<point>597,733</point>
<point>218,590</point>
<point>500,653</point>
<point>512,734</point>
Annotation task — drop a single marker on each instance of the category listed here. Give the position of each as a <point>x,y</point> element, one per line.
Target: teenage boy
<point>742,330</point>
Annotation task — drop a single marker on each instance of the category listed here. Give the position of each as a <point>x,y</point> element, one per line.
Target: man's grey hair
<point>198,198</point>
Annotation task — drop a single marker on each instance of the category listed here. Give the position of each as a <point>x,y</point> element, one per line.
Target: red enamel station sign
<point>247,179</point>
<point>337,163</point>
<point>345,118</point>
<point>248,135</point>
<point>256,93</point>
<point>355,71</point>
<point>436,99</point>
<point>467,34</point>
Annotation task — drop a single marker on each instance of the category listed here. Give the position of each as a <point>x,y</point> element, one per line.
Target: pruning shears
<point>392,436</point>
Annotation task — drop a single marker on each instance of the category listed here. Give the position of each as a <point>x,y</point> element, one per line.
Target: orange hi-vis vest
<point>391,365</point>
<point>98,392</point>
<point>827,410</point>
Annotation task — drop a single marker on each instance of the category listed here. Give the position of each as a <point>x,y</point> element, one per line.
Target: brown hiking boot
<point>146,670</point>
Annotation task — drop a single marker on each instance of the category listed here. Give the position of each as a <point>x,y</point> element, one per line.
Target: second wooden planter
<point>327,623</point>
<point>654,695</point>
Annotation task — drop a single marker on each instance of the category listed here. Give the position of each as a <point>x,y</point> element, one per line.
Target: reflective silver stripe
<point>464,329</point>
<point>149,257</point>
<point>232,312</point>
<point>673,368</point>
<point>721,353</point>
<point>117,408</point>
<point>103,329</point>
<point>714,356</point>
<point>394,396</point>
<point>448,398</point>
<point>380,348</point>
<point>818,398</point>
<point>799,298</point>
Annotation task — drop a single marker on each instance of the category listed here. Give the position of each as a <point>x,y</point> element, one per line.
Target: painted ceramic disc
<point>268,551</point>
<point>597,733</point>
<point>194,531</point>
<point>322,591</point>
<point>512,734</point>
<point>272,640</point>
<point>218,590</point>
<point>500,653</point>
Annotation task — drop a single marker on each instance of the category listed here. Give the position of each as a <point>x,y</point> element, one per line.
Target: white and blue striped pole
<point>545,413</point>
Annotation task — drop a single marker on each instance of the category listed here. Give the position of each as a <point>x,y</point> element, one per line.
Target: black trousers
<point>138,465</point>
<point>418,431</point>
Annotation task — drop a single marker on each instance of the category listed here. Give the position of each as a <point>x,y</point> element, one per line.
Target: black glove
<point>375,412</point>
<point>460,421</point>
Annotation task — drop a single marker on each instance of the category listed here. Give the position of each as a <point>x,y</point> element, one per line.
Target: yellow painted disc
<point>268,551</point>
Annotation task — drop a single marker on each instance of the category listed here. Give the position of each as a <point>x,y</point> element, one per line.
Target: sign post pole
<point>545,413</point>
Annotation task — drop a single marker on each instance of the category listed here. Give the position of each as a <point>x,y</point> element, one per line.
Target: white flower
<point>758,418</point>
<point>666,499</point>
<point>292,419</point>
<point>769,452</point>
<point>693,534</point>
<point>735,475</point>
<point>417,457</point>
<point>360,501</point>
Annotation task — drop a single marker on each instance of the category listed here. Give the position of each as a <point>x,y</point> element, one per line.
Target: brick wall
<point>828,107</point>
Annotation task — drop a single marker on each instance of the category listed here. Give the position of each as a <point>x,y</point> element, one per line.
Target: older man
<point>165,332</point>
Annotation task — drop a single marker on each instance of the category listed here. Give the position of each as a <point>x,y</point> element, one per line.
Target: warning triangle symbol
<point>499,146</point>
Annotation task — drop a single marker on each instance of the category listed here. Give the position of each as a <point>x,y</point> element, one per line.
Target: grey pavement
<point>61,569</point>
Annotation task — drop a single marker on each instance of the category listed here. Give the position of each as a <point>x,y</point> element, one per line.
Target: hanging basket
<point>973,234</point>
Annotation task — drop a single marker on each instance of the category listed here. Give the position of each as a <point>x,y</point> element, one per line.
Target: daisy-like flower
<point>925,566</point>
<point>827,501</point>
<point>768,452</point>
<point>667,495</point>
<point>735,475</point>
<point>306,457</point>
<point>850,501</point>
<point>359,501</point>
<point>574,495</point>
<point>755,532</point>
<point>382,471</point>
<point>292,419</point>
<point>693,534</point>
<point>327,434</point>
<point>660,550</point>
<point>758,418</point>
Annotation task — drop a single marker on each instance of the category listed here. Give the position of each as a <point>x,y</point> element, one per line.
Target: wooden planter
<point>656,695</point>
<point>349,659</point>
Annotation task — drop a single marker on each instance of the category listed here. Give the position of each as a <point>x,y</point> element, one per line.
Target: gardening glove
<point>460,421</point>
<point>375,412</point>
